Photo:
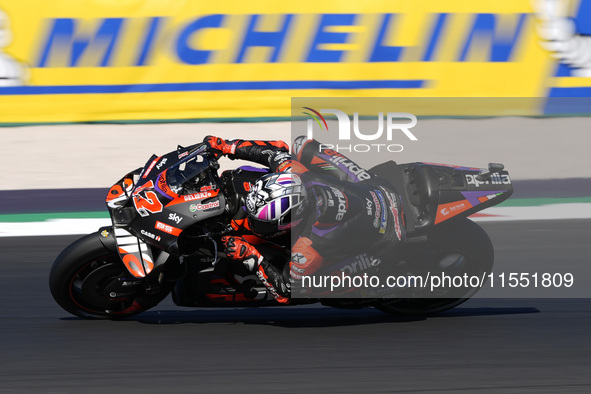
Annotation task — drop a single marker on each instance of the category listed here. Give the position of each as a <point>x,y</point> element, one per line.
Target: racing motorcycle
<point>168,218</point>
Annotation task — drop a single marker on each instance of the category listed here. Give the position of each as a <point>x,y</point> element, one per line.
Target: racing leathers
<point>353,211</point>
<point>348,212</point>
<point>272,154</point>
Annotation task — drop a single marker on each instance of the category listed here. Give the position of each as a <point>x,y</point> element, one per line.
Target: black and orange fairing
<point>233,297</point>
<point>117,189</point>
<point>154,212</point>
<point>218,291</point>
<point>193,197</point>
<point>120,192</point>
<point>163,188</point>
<point>148,168</point>
<point>448,210</point>
<point>146,200</point>
<point>134,253</point>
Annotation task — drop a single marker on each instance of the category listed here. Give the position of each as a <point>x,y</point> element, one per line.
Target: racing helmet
<point>275,203</point>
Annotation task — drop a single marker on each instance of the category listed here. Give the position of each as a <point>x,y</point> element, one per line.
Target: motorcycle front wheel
<point>90,281</point>
<point>462,246</point>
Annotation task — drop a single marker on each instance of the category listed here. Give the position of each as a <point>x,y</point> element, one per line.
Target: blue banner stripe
<point>213,86</point>
<point>571,92</point>
<point>568,103</point>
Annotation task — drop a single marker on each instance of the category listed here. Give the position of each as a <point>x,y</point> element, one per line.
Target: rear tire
<point>463,238</point>
<point>81,278</point>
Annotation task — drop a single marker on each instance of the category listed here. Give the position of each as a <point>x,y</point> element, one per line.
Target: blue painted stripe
<point>213,86</point>
<point>571,92</point>
<point>568,101</point>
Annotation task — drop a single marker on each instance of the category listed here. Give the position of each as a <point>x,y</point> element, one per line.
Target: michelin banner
<point>103,60</point>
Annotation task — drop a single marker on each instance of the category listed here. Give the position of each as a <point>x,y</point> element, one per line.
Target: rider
<point>336,207</point>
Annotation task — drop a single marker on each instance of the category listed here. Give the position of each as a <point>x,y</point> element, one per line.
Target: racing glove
<point>239,249</point>
<point>219,145</point>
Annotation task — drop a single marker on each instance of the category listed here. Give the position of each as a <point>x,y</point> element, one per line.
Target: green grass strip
<point>535,202</point>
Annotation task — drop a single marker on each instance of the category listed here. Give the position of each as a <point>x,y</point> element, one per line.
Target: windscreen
<point>190,175</point>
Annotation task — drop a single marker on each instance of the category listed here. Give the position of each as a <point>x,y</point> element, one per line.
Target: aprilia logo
<point>495,179</point>
<point>359,172</point>
<point>361,263</point>
<point>343,204</point>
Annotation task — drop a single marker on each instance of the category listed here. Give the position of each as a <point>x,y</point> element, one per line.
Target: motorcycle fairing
<point>134,253</point>
<point>146,203</point>
<point>459,198</point>
<point>120,192</point>
<point>194,198</point>
<point>434,193</point>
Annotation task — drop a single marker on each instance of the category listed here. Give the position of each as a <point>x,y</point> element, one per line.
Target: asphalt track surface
<point>483,346</point>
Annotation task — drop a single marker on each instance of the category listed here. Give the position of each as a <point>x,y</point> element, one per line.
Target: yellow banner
<point>71,61</point>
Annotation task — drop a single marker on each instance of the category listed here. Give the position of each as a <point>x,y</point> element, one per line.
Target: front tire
<point>85,280</point>
<point>464,241</point>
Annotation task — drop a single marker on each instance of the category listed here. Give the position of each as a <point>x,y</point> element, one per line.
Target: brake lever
<point>215,252</point>
<point>215,244</point>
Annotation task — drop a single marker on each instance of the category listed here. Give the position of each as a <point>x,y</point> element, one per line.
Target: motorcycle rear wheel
<point>462,238</point>
<point>86,276</point>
